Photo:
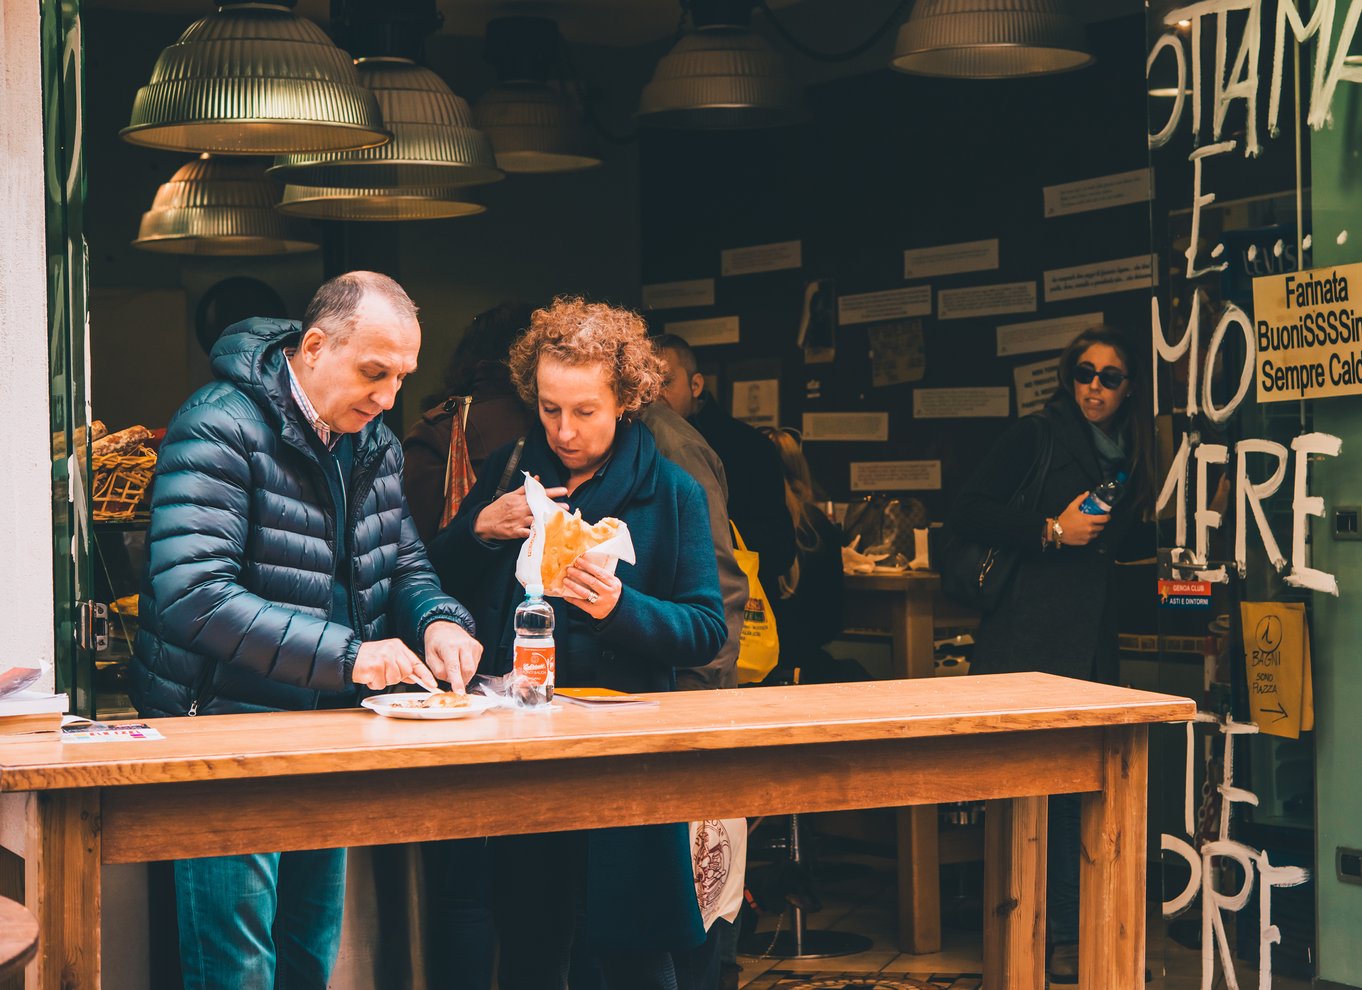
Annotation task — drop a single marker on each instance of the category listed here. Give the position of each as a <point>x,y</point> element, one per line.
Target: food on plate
<point>446,699</point>
<point>567,537</point>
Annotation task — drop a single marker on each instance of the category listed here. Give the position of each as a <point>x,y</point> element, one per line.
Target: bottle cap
<point>1121,476</point>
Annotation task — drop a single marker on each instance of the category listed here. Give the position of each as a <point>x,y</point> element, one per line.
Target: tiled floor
<point>861,898</point>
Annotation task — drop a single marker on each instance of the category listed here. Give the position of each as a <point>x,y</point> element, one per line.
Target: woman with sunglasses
<point>1059,613</point>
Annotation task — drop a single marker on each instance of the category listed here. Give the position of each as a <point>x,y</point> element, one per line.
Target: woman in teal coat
<point>625,894</point>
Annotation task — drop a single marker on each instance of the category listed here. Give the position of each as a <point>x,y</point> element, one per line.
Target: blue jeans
<point>1065,851</point>
<point>262,921</point>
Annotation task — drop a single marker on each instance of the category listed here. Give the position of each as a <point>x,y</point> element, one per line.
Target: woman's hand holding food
<point>1079,528</point>
<point>592,589</point>
<point>509,517</point>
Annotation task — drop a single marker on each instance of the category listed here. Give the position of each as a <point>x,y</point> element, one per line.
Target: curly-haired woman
<point>587,368</point>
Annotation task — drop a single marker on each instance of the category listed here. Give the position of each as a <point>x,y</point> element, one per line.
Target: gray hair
<point>334,306</point>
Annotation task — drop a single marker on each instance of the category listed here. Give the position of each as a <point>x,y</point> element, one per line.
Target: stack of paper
<point>592,697</point>
<point>24,712</point>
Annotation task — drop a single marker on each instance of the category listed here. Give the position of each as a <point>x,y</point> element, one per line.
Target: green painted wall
<point>1336,206</point>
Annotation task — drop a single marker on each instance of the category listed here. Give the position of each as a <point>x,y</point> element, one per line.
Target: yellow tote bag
<point>760,646</point>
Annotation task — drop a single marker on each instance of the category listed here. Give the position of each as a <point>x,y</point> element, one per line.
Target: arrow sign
<point>1279,711</point>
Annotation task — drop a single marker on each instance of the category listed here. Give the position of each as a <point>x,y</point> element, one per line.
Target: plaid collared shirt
<point>324,432</point>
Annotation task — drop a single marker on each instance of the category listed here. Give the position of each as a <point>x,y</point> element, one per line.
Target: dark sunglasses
<point>1109,377</point>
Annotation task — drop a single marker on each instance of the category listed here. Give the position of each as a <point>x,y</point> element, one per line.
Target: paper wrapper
<point>528,564</point>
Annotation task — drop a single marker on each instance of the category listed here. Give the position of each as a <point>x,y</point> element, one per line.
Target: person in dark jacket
<point>1058,614</point>
<point>587,368</point>
<point>283,570</point>
<point>496,416</point>
<point>755,484</point>
<point>808,606</point>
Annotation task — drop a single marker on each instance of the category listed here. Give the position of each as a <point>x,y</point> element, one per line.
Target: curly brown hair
<point>577,333</point>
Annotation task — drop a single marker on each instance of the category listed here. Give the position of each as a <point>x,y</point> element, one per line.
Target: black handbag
<point>975,575</point>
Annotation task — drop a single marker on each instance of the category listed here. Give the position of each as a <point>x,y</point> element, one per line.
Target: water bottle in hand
<point>1104,496</point>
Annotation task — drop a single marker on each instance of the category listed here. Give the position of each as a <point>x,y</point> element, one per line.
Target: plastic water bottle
<point>1104,496</point>
<point>532,680</point>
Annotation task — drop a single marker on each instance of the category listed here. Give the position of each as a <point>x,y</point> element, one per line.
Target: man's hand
<point>452,654</point>
<point>381,663</point>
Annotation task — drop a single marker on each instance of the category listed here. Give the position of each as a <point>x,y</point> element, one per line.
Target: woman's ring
<point>592,597</point>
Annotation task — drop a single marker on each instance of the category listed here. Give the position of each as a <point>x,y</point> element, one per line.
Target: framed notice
<point>1117,275</point>
<point>986,300</point>
<point>1036,336</point>
<point>757,403</point>
<point>846,426</point>
<point>950,259</point>
<point>962,403</point>
<point>679,295</point>
<point>872,307</point>
<point>895,476</point>
<point>1099,193</point>
<point>760,258</point>
<point>1035,384</point>
<point>1308,331</point>
<point>703,333</point>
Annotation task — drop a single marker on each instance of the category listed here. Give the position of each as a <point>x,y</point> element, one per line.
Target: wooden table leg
<point>919,880</point>
<point>1014,893</point>
<point>1111,938</point>
<point>919,857</point>
<point>62,888</point>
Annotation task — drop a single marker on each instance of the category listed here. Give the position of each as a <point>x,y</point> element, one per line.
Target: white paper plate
<point>397,706</point>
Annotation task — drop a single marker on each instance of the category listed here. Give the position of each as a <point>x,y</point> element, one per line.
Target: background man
<point>756,486</point>
<point>283,569</point>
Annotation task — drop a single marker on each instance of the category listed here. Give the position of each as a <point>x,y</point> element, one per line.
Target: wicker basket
<point>121,483</point>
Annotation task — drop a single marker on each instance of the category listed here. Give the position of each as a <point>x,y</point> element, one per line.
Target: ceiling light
<point>533,126</point>
<point>990,39</point>
<point>721,76</point>
<point>217,206</point>
<point>253,79</point>
<point>405,203</point>
<point>434,141</point>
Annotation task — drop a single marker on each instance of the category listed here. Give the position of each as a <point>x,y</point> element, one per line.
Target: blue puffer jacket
<point>241,552</point>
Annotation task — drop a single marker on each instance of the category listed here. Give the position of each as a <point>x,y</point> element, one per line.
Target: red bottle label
<point>535,663</point>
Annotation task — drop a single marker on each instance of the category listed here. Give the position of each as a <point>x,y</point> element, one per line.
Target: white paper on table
<point>527,566</point>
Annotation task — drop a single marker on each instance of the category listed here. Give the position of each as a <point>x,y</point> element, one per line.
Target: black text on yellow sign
<point>1309,333</point>
<point>1277,664</point>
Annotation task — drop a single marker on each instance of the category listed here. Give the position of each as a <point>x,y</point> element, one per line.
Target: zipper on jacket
<point>202,687</point>
<point>359,492</point>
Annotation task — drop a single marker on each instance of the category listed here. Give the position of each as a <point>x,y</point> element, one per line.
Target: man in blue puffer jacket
<point>283,570</point>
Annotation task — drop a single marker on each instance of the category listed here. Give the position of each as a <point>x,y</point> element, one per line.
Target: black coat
<point>1058,614</point>
<point>241,555</point>
<point>756,489</point>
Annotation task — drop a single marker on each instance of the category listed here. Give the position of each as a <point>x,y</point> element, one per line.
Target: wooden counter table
<point>246,783</point>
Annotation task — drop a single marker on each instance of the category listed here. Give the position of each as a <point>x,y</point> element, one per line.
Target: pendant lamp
<point>254,79</point>
<point>533,126</point>
<point>721,76</point>
<point>434,144</point>
<point>216,206</point>
<point>394,204</point>
<point>991,39</point>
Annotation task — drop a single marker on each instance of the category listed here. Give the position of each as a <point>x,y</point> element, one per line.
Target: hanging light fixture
<point>404,203</point>
<point>991,39</point>
<point>253,79</point>
<point>216,206</point>
<point>434,141</point>
<point>533,126</point>
<point>721,76</point>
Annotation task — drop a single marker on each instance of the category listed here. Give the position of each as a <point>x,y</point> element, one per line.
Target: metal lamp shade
<point>990,39</point>
<point>254,80</point>
<point>405,203</point>
<point>534,128</point>
<point>219,207</point>
<point>434,141</point>
<point>722,78</point>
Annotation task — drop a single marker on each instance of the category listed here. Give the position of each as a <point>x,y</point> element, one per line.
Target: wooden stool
<point>18,937</point>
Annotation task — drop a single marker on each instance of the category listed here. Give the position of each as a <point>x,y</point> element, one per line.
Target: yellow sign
<point>1308,326</point>
<point>1277,660</point>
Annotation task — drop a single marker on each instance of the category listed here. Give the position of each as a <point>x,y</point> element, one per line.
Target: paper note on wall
<point>1277,663</point>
